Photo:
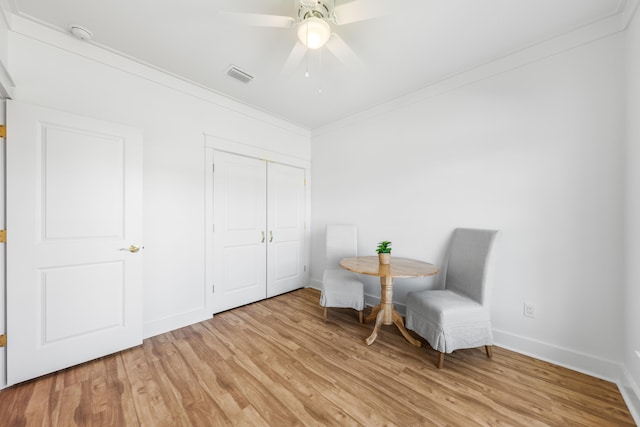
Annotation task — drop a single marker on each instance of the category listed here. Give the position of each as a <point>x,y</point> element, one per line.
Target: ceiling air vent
<point>238,74</point>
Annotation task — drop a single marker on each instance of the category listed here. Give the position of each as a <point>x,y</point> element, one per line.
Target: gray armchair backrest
<point>341,242</point>
<point>468,262</point>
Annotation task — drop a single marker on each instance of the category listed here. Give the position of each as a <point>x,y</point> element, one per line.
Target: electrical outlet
<point>529,310</point>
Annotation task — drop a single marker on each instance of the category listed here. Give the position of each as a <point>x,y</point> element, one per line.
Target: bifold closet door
<point>285,224</point>
<point>239,242</point>
<point>258,237</point>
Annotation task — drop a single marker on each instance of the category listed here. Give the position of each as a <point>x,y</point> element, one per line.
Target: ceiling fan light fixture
<point>314,32</point>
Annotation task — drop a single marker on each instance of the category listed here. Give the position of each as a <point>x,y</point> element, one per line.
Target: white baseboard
<point>580,362</point>
<point>315,284</point>
<point>587,364</point>
<point>633,402</point>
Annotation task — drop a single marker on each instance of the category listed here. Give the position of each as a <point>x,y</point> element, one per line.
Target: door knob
<point>270,236</point>
<point>133,249</point>
<point>262,241</point>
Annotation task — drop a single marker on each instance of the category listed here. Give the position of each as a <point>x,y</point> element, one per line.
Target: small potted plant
<point>384,252</point>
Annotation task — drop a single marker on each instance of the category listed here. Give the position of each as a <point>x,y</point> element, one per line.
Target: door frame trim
<point>244,149</point>
<point>3,287</point>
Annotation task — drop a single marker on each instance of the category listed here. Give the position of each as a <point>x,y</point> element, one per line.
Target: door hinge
<point>3,131</point>
<point>213,289</point>
<point>213,167</point>
<point>3,340</point>
<point>305,268</point>
<point>3,236</point>
<point>305,182</point>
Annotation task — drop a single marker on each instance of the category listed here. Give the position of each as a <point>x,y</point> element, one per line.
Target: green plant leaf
<point>384,247</point>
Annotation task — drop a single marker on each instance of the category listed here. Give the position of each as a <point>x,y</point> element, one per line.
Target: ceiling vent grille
<point>238,74</point>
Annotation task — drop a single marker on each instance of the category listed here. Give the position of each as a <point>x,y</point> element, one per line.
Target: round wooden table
<point>385,313</point>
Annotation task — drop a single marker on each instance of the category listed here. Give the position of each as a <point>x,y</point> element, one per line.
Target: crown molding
<point>55,37</point>
<point>609,25</point>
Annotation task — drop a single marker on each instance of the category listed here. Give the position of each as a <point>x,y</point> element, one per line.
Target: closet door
<point>286,216</point>
<point>239,237</point>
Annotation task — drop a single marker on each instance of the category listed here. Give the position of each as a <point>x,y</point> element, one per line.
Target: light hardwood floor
<point>277,363</point>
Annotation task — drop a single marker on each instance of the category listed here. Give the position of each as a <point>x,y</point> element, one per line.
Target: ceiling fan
<point>313,20</point>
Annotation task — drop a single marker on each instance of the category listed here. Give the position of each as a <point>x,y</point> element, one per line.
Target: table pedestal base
<point>385,314</point>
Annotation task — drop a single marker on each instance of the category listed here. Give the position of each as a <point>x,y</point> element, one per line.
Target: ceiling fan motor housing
<point>315,8</point>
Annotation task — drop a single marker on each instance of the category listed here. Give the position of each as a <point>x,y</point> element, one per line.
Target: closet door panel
<point>285,219</point>
<point>239,238</point>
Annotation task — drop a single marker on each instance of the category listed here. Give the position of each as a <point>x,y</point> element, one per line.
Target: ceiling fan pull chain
<point>306,62</point>
<point>320,71</point>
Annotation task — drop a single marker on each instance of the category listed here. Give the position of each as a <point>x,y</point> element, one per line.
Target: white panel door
<point>74,202</point>
<point>239,238</point>
<point>285,219</point>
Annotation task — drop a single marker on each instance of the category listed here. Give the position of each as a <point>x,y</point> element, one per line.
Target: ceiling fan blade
<point>295,58</point>
<point>341,50</point>
<point>257,20</point>
<point>360,10</point>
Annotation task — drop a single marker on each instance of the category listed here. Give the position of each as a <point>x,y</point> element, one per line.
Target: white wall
<point>69,75</point>
<point>6,83</point>
<point>536,152</point>
<point>632,223</point>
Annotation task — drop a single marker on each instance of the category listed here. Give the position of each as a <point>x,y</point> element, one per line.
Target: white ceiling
<point>416,44</point>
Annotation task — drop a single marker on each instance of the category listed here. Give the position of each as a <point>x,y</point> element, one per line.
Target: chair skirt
<point>342,289</point>
<point>448,321</point>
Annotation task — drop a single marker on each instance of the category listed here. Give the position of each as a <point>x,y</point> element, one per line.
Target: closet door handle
<point>270,236</point>
<point>262,241</point>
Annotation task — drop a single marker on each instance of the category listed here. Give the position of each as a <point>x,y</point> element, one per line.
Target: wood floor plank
<point>37,406</point>
<point>277,363</point>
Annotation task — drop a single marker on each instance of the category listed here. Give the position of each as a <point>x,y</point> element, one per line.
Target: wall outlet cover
<point>529,310</point>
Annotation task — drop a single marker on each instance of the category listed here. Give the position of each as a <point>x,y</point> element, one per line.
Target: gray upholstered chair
<point>341,288</point>
<point>457,316</point>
